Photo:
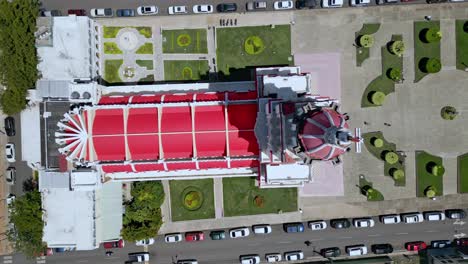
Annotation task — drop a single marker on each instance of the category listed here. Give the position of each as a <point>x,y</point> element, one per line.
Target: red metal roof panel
<point>143,147</point>
<point>142,120</point>
<point>108,122</point>
<point>113,99</point>
<point>109,148</point>
<point>176,119</point>
<point>209,118</point>
<point>149,167</point>
<point>242,116</point>
<point>117,168</point>
<point>181,166</point>
<point>177,145</point>
<point>243,143</point>
<point>211,144</point>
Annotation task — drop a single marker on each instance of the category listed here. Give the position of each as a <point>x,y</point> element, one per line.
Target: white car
<point>332,3</point>
<point>390,219</point>
<point>177,10</point>
<point>249,259</point>
<point>363,222</point>
<point>10,152</point>
<point>281,5</point>
<point>173,238</point>
<point>317,225</point>
<point>412,218</point>
<point>101,12</point>
<point>356,250</point>
<point>273,257</point>
<point>187,261</point>
<point>261,229</point>
<point>11,175</point>
<point>239,232</point>
<point>359,2</point>
<point>139,256</point>
<point>202,9</point>
<point>147,10</point>
<point>434,216</point>
<point>11,198</point>
<point>294,255</point>
<point>145,242</point>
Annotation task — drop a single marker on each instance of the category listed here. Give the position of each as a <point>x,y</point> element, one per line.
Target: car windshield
<point>148,9</point>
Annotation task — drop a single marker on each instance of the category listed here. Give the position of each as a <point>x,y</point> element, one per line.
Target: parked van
<point>390,219</point>
<point>256,5</point>
<point>356,250</point>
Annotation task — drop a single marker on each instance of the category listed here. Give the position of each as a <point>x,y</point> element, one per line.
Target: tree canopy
<point>18,58</point>
<point>26,225</point>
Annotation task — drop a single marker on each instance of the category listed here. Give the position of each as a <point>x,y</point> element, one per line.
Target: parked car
<point>145,242</point>
<point>177,10</point>
<point>173,238</point>
<point>390,219</point>
<point>77,12</point>
<point>226,7</point>
<point>202,9</point>
<point>218,235</point>
<point>187,261</point>
<point>101,12</point>
<point>331,252</point>
<point>147,10</point>
<point>434,216</point>
<point>363,222</point>
<point>455,213</point>
<point>340,223</point>
<point>384,2</point>
<point>412,218</point>
<point>50,13</point>
<point>239,232</point>
<point>10,198</point>
<point>46,252</point>
<point>382,248</point>
<point>125,12</point>
<point>194,236</point>
<point>261,229</point>
<point>114,244</point>
<point>249,259</point>
<point>11,175</point>
<point>282,5</point>
<point>293,227</point>
<point>317,225</point>
<point>461,241</point>
<point>293,255</point>
<point>302,4</point>
<point>415,246</point>
<point>10,126</point>
<point>256,5</point>
<point>359,2</point>
<point>273,257</point>
<point>332,3</point>
<point>139,256</point>
<point>440,243</point>
<point>10,152</point>
<point>356,250</point>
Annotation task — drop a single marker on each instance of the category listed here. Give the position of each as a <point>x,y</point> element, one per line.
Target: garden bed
<point>422,49</point>
<point>463,173</point>
<point>146,48</point>
<point>461,31</point>
<point>180,191</point>
<point>111,71</point>
<point>362,53</point>
<point>148,64</point>
<point>424,179</point>
<point>185,41</point>
<point>184,70</point>
<point>111,48</point>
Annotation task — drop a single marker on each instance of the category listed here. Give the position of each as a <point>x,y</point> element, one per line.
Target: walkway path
<point>218,197</point>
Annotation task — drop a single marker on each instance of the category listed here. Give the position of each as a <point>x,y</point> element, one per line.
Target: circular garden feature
<point>366,41</point>
<point>430,65</point>
<point>377,142</point>
<point>187,73</point>
<point>253,45</point>
<point>397,174</point>
<point>390,157</point>
<point>259,201</point>
<point>448,112</point>
<point>192,198</point>
<point>183,40</point>
<point>129,72</point>
<point>376,97</point>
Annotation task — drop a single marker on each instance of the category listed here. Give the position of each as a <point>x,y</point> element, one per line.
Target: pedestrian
<point>220,22</point>
<point>235,22</point>
<point>300,210</point>
<point>428,18</point>
<point>230,21</point>
<point>307,243</point>
<point>366,123</point>
<point>387,124</point>
<point>109,253</point>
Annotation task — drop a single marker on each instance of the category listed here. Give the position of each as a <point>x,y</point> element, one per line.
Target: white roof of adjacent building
<point>109,211</point>
<point>31,142</point>
<point>69,56</point>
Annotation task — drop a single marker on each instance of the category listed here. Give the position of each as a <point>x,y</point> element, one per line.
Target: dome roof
<point>324,134</point>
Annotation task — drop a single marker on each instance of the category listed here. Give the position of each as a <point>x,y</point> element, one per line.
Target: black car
<point>301,4</point>
<point>455,213</point>
<point>340,223</point>
<point>382,248</point>
<point>10,126</point>
<point>332,252</point>
<point>125,12</point>
<point>440,243</point>
<point>226,7</point>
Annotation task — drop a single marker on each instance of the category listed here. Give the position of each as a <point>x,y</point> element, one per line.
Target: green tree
<point>432,35</point>
<point>376,97</point>
<point>150,193</point>
<point>397,47</point>
<point>366,41</point>
<point>394,74</point>
<point>26,224</point>
<point>430,65</point>
<point>430,192</point>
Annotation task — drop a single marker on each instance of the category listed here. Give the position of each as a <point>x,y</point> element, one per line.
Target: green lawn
<point>111,32</point>
<point>463,173</point>
<point>149,78</point>
<point>375,196</point>
<point>239,195</point>
<point>377,152</point>
<point>111,71</point>
<point>111,48</point>
<point>382,83</point>
<point>462,44</point>
<point>148,64</point>
<point>146,48</point>
<point>423,178</point>
<point>363,53</point>
<point>185,70</point>
<point>179,212</point>
<point>185,41</point>
<point>145,31</point>
<point>231,51</point>
<point>422,49</point>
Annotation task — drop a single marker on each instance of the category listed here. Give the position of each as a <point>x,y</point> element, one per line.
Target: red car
<point>194,236</point>
<point>78,12</point>
<point>461,242</point>
<point>114,244</point>
<point>415,246</point>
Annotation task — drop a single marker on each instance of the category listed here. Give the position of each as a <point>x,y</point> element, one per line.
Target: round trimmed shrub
<point>435,169</point>
<point>448,112</point>
<point>376,97</point>
<point>397,174</point>
<point>390,157</point>
<point>432,35</point>
<point>253,45</point>
<point>377,142</point>
<point>366,41</point>
<point>430,192</point>
<point>259,201</point>
<point>397,47</point>
<point>192,198</point>
<point>430,65</point>
<point>394,74</point>
<point>183,40</point>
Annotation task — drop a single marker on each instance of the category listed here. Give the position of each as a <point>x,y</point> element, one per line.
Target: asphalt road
<point>228,251</point>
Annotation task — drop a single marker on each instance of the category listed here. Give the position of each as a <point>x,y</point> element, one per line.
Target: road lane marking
<point>82,261</point>
<point>374,235</point>
<point>431,231</point>
<point>285,242</point>
<point>345,237</point>
<point>317,239</point>
<point>253,244</point>
<point>401,233</point>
